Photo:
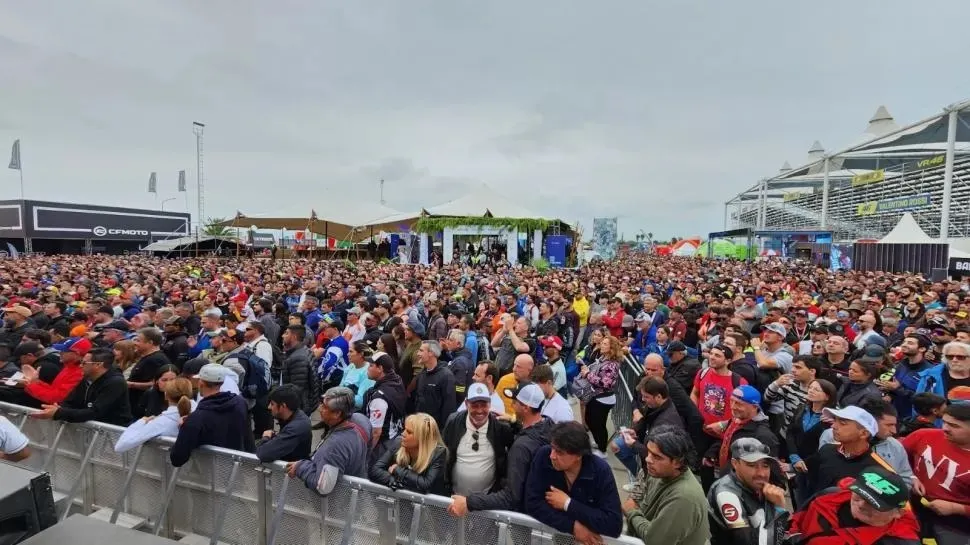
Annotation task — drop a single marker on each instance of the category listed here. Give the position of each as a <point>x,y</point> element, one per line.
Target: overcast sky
<point>652,112</point>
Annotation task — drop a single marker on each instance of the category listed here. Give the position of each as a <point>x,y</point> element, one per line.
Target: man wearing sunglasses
<point>479,442</point>
<point>951,377</point>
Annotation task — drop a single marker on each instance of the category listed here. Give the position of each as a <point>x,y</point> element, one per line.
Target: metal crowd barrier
<point>229,497</point>
<point>630,373</point>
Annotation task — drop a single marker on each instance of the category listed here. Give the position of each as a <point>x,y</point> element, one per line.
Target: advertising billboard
<point>82,221</point>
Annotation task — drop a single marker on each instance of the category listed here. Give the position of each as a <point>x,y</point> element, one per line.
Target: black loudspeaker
<point>26,503</point>
<point>938,275</point>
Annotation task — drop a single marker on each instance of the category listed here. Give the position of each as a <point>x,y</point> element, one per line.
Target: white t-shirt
<point>12,440</point>
<point>474,469</point>
<point>558,409</point>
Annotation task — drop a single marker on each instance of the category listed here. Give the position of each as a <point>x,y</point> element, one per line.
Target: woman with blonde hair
<point>126,355</point>
<point>178,394</point>
<point>416,460</point>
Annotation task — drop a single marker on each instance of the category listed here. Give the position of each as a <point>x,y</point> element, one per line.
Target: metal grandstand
<point>862,192</point>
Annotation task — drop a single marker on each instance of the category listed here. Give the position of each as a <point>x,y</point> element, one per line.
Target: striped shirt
<point>792,397</point>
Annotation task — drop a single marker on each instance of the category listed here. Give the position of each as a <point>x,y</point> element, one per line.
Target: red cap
<point>81,347</point>
<point>551,340</point>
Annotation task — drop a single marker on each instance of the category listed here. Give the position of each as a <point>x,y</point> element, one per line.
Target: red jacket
<point>822,513</point>
<point>615,323</point>
<point>56,392</point>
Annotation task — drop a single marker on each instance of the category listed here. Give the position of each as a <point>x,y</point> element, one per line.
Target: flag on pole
<point>15,155</point>
<point>153,183</point>
<point>313,215</point>
<point>181,181</point>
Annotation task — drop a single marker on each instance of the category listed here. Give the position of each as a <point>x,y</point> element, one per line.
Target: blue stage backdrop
<point>557,247</point>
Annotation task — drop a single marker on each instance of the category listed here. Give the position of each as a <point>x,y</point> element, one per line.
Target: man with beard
<point>151,359</point>
<point>385,403</point>
<point>905,379</point>
<point>176,344</point>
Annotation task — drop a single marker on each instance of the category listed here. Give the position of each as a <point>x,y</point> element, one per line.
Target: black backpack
<point>276,366</point>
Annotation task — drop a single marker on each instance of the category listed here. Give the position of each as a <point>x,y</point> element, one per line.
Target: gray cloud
<point>655,113</point>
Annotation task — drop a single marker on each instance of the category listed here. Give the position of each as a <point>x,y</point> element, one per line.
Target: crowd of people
<point>773,402</point>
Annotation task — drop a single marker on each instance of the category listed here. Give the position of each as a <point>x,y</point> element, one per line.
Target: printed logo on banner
<point>100,231</point>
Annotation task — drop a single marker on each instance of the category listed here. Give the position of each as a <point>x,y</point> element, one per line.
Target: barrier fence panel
<point>228,497</point>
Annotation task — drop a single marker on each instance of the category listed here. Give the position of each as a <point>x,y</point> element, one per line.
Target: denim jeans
<point>626,455</point>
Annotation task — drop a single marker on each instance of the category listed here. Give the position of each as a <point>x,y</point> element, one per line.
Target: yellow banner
<point>931,162</point>
<point>793,195</point>
<point>869,178</point>
<point>866,208</point>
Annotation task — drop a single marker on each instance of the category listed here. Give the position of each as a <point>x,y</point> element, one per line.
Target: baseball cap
<point>331,320</point>
<point>119,325</point>
<point>642,317</point>
<point>728,352</point>
<point>417,327</point>
<point>857,415</point>
<point>747,394</point>
<point>382,360</point>
<point>233,334</point>
<point>527,394</point>
<point>841,314</point>
<point>873,353</point>
<point>212,372</point>
<point>477,392</point>
<point>881,488</point>
<point>749,449</point>
<point>677,346</point>
<point>355,310</point>
<point>552,341</point>
<point>80,347</point>
<point>775,328</point>
<point>175,320</point>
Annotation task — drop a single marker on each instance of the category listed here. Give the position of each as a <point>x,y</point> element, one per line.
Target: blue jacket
<point>202,342</point>
<point>471,343</point>
<point>908,378</point>
<point>931,380</point>
<point>642,343</point>
<point>594,500</point>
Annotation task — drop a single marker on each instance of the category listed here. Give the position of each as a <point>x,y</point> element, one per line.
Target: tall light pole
<point>165,201</point>
<point>198,129</point>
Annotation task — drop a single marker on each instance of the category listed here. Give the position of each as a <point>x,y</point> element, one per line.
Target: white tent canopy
<point>481,202</point>
<point>172,244</point>
<point>907,231</point>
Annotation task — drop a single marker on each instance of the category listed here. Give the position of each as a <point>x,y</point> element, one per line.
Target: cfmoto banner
<point>75,221</point>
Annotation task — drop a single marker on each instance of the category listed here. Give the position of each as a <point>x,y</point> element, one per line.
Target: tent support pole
<point>825,192</point>
<point>951,138</point>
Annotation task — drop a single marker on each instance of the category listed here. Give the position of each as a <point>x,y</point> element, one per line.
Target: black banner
<point>72,221</point>
<point>958,266</point>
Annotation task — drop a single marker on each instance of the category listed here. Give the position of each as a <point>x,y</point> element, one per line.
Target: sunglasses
<point>956,357</point>
<point>475,439</point>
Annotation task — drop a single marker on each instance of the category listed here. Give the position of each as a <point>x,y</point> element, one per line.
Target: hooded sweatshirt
<point>220,420</point>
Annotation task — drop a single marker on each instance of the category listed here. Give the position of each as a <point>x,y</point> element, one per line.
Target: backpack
<point>484,348</point>
<point>255,383</point>
<point>735,378</point>
<point>276,367</point>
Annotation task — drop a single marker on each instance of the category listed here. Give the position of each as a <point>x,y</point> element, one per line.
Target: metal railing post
<point>387,519</point>
<point>120,502</point>
<point>279,512</point>
<point>52,452</point>
<point>503,534</point>
<point>167,499</point>
<point>264,504</point>
<point>221,515</point>
<point>415,524</point>
<point>349,523</point>
<point>81,474</point>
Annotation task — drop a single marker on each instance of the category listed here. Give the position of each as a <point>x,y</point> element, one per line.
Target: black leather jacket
<point>430,481</point>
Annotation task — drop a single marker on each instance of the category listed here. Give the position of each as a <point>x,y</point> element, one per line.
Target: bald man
<point>521,370</point>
